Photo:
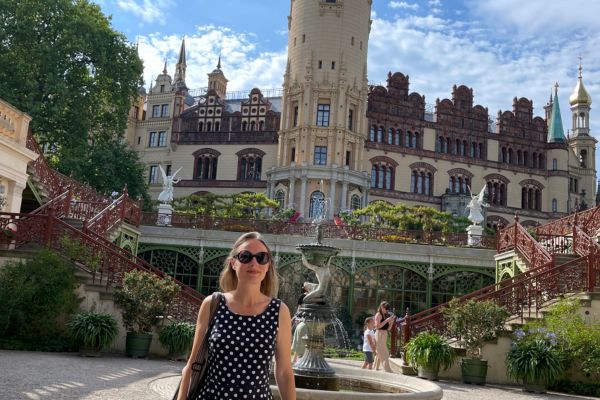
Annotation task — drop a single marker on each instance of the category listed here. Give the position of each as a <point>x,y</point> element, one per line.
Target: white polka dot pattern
<point>240,348</point>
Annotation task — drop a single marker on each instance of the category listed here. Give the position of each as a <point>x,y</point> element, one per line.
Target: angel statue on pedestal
<point>166,196</point>
<point>476,205</point>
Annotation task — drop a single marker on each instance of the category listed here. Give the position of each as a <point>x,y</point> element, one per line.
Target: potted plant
<point>429,352</point>
<point>473,323</point>
<point>143,299</point>
<point>93,331</point>
<point>535,360</point>
<point>178,337</point>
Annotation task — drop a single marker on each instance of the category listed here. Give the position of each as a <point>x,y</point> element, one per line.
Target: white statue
<point>476,205</point>
<point>317,292</point>
<point>166,196</point>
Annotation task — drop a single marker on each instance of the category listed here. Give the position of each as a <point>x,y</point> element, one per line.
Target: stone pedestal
<point>474,233</point>
<point>165,211</point>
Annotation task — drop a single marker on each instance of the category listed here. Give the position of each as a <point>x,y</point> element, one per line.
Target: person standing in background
<point>384,320</point>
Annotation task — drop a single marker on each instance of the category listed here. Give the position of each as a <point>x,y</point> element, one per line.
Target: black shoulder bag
<point>201,362</point>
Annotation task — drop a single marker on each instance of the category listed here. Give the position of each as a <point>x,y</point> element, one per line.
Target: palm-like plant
<point>178,337</point>
<point>93,330</point>
<point>534,361</point>
<point>429,350</point>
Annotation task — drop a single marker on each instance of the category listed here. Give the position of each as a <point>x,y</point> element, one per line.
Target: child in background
<point>369,343</point>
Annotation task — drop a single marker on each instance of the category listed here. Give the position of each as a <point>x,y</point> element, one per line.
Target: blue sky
<point>500,48</point>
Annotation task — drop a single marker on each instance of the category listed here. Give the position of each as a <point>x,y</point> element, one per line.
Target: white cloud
<point>533,17</point>
<point>149,11</point>
<point>438,54</point>
<point>404,5</point>
<point>243,63</point>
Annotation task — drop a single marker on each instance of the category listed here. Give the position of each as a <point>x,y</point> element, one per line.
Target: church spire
<point>556,132</point>
<point>180,68</point>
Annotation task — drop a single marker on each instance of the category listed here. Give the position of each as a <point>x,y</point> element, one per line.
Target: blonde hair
<point>228,280</point>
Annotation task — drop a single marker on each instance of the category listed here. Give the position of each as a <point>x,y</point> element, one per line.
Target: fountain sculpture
<point>312,371</point>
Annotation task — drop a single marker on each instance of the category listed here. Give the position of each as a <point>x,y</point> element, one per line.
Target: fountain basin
<point>355,382</point>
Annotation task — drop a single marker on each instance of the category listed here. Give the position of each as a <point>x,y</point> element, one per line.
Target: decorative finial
<point>219,63</point>
<point>580,67</point>
<point>556,89</point>
<point>165,67</point>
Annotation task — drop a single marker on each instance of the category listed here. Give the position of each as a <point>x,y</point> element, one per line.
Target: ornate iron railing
<point>122,209</point>
<point>530,290</point>
<point>55,183</point>
<point>105,261</point>
<point>516,237</point>
<point>355,232</point>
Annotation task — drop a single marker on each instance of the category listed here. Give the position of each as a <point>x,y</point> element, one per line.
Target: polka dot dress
<point>240,349</point>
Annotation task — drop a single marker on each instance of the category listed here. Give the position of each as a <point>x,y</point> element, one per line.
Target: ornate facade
<point>14,156</point>
<point>329,135</point>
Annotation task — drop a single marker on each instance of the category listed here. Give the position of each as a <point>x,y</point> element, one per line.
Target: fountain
<point>312,371</point>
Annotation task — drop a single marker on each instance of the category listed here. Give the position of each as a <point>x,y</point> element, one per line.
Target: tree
<point>63,64</point>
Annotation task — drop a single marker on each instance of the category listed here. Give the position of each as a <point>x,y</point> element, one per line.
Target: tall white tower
<point>323,118</point>
<point>581,142</point>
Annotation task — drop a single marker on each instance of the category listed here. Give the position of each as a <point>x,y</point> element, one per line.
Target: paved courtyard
<point>45,376</point>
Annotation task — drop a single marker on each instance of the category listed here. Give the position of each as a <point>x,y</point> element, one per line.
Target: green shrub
<point>95,331</point>
<point>178,337</point>
<point>36,298</point>
<point>429,350</point>
<point>534,360</point>
<point>143,298</point>
<point>474,323</point>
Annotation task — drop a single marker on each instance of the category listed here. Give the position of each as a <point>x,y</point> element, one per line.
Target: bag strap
<point>214,304</point>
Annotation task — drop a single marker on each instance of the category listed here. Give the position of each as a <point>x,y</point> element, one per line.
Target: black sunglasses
<point>245,257</point>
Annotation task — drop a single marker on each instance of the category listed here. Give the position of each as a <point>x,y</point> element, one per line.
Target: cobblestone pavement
<point>49,376</point>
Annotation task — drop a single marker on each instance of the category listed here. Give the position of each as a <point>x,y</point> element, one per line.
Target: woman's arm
<point>201,326</point>
<point>283,365</point>
<point>378,320</point>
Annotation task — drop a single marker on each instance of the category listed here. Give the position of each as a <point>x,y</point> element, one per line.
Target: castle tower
<point>323,117</point>
<point>217,81</point>
<point>581,142</point>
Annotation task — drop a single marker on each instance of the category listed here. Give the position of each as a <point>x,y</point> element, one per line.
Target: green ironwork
<point>357,285</point>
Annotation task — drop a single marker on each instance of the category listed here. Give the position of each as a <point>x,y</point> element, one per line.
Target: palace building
<point>328,134</point>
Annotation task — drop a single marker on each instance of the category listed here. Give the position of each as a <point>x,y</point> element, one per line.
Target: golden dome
<point>580,95</point>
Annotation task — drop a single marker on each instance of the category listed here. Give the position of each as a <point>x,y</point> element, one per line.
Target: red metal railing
<point>122,209</point>
<point>91,251</point>
<point>529,291</point>
<point>56,183</point>
<point>355,232</point>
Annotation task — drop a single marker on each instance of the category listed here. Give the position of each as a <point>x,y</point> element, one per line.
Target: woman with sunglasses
<point>249,327</point>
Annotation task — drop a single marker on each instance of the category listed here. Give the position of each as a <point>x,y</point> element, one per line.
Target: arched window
<point>554,164</point>
<point>244,126</point>
<point>397,139</point>
<point>209,126</point>
<point>510,156</point>
<point>407,138</point>
<point>541,163</point>
<point>261,126</point>
<point>382,173</point>
<point>317,205</point>
<point>355,202</point>
<point>421,178</point>
<point>416,140</point>
<point>217,126</point>
<point>252,126</point>
<point>250,164</point>
<point>519,157</point>
<point>504,155</point>
<point>534,159</point>
<point>531,195</point>
<point>280,198</point>
<point>205,164</point>
<point>554,205</point>
<point>583,158</point>
<point>372,133</point>
<point>380,135</point>
<point>463,149</point>
<point>200,126</point>
<point>390,136</point>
